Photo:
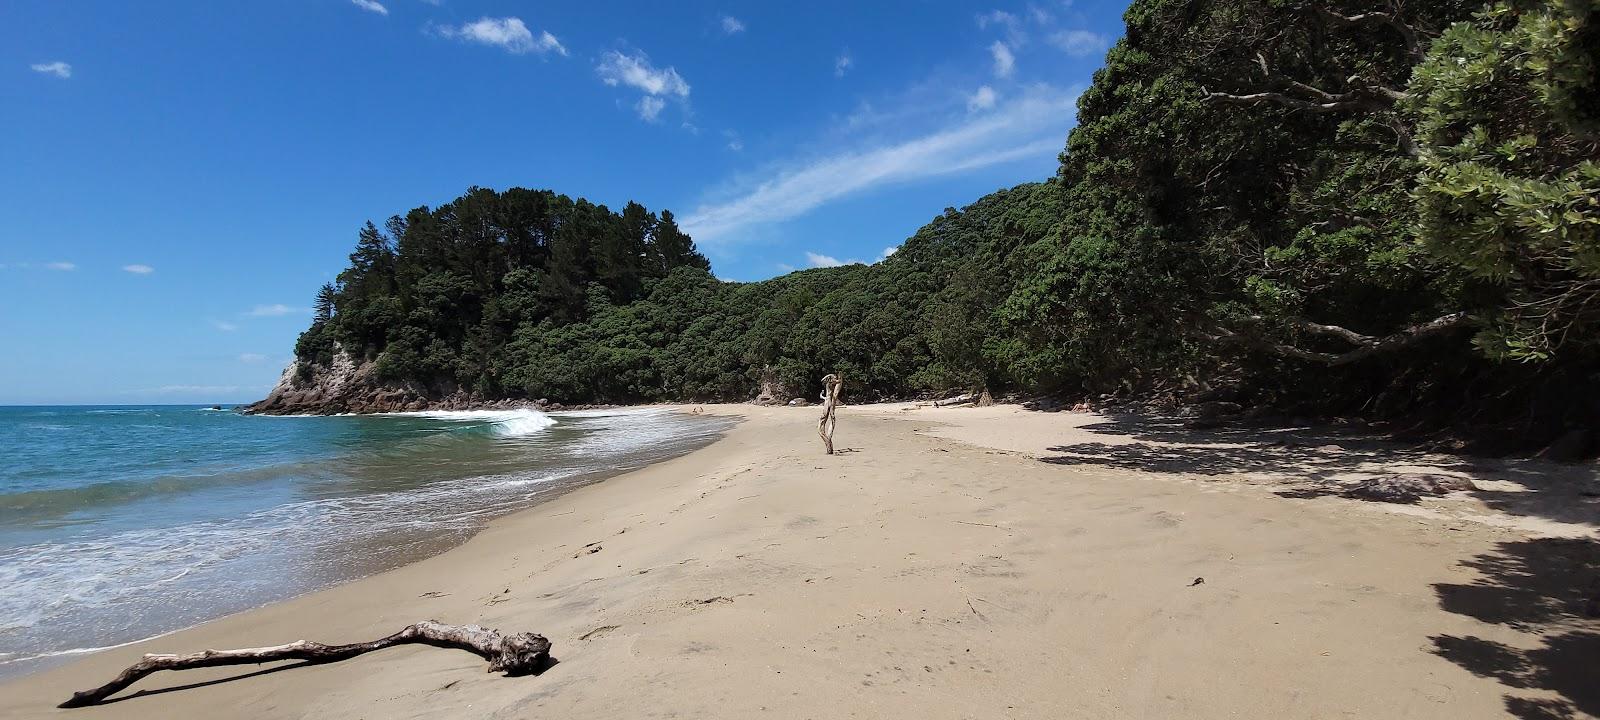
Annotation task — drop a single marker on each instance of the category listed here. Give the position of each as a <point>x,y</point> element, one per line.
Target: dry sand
<point>960,563</point>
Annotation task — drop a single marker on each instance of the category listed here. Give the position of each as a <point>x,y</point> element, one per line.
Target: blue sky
<point>180,177</point>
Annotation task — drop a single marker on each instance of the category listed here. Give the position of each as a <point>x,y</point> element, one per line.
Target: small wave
<point>506,423</point>
<point>17,657</point>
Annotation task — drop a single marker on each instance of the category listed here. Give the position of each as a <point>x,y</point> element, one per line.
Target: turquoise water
<point>119,523</point>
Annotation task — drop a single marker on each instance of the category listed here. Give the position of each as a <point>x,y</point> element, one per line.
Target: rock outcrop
<point>347,386</point>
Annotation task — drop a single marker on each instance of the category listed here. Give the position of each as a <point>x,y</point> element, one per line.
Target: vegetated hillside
<point>1327,208</point>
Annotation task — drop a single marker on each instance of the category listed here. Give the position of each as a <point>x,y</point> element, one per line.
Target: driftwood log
<point>518,654</point>
<point>831,384</point>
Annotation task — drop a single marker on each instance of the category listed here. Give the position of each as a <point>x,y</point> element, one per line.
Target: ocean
<point>122,523</point>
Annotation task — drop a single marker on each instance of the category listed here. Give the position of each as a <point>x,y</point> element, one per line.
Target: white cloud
<point>57,68</point>
<point>816,261</point>
<point>371,6</point>
<point>983,99</point>
<point>1079,43</point>
<point>1006,22</point>
<point>224,325</point>
<point>138,269</point>
<point>649,107</point>
<point>275,310</point>
<point>252,358</point>
<point>1032,125</point>
<point>735,145</point>
<point>889,251</point>
<point>64,266</point>
<point>841,64</point>
<point>1004,61</point>
<point>508,33</point>
<point>732,25</point>
<point>1039,15</point>
<point>635,71</point>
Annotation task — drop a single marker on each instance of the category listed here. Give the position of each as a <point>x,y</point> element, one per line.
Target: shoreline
<point>249,558</point>
<point>974,537</point>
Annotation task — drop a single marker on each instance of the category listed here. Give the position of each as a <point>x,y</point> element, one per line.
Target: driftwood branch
<point>831,384</point>
<point>518,654</point>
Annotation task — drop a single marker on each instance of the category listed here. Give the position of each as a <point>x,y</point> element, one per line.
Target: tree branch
<point>1408,34</point>
<point>1366,345</point>
<point>1367,97</point>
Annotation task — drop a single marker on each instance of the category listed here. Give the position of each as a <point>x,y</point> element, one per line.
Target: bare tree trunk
<point>518,654</point>
<point>831,385</point>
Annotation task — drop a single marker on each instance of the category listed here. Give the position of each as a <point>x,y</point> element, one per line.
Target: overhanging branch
<point>1408,34</point>
<point>1365,345</point>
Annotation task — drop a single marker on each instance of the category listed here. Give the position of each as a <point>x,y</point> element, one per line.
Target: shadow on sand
<point>1307,462</point>
<point>1548,589</point>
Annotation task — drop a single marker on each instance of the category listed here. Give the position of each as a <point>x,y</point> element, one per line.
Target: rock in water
<point>1408,487</point>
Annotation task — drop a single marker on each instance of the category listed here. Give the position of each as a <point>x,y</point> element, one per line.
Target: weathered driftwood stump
<point>518,654</point>
<point>831,385</point>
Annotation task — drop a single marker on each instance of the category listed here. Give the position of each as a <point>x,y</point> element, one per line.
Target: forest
<point>1321,208</point>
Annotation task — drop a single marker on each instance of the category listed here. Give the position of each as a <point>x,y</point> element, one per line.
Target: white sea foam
<point>14,657</point>
<point>507,423</point>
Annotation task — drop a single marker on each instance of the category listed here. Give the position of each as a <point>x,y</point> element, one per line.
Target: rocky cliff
<point>347,386</point>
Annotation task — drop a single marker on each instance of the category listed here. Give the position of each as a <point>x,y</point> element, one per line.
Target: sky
<point>180,177</point>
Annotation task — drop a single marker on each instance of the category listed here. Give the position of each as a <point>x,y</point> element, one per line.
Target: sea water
<point>121,523</point>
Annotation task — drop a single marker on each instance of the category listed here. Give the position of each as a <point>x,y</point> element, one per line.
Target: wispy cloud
<point>371,6</point>
<point>62,266</point>
<point>1079,43</point>
<point>732,25</point>
<point>658,84</point>
<point>275,310</point>
<point>889,251</point>
<point>224,325</point>
<point>635,71</point>
<point>1030,126</point>
<point>252,358</point>
<point>59,69</point>
<point>1004,62</point>
<point>817,260</point>
<point>983,99</point>
<point>138,269</point>
<point>508,33</point>
<point>1006,22</point>
<point>649,107</point>
<point>841,64</point>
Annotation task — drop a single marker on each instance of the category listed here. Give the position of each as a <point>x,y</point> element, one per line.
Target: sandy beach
<point>961,563</point>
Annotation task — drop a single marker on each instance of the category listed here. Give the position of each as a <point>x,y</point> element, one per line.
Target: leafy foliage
<point>1508,111</point>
